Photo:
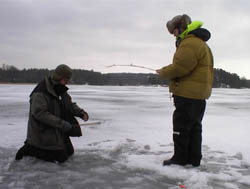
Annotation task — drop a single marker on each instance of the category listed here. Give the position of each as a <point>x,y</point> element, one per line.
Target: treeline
<point>10,74</point>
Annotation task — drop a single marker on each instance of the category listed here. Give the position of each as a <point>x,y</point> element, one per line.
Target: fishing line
<point>131,65</point>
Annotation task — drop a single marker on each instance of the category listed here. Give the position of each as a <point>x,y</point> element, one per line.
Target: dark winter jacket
<point>191,73</point>
<point>50,110</point>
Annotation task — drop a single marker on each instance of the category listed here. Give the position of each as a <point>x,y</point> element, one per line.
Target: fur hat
<point>180,21</point>
<point>62,71</point>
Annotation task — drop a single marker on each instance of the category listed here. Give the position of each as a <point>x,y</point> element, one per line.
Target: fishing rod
<point>131,65</point>
<point>91,123</point>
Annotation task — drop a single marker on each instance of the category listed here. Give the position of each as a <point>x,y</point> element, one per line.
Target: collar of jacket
<point>193,26</point>
<point>50,83</point>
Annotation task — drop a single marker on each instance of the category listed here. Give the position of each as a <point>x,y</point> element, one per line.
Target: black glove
<point>76,131</point>
<point>66,127</point>
<point>84,115</point>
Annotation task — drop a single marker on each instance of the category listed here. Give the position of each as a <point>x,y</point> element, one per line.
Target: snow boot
<point>23,151</point>
<point>169,162</point>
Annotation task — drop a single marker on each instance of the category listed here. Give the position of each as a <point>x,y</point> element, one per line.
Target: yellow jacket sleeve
<point>184,62</point>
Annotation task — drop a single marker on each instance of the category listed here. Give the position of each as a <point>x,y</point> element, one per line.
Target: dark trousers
<point>46,155</point>
<point>187,135</point>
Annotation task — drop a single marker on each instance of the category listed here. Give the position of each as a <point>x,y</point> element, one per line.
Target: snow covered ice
<point>127,148</point>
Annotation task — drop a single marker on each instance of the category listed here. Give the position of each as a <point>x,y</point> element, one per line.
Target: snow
<point>127,148</point>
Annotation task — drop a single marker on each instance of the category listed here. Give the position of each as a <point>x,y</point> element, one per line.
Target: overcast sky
<point>92,34</point>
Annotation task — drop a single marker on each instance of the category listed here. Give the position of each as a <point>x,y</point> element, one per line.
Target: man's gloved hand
<point>66,127</point>
<point>76,131</point>
<point>84,115</point>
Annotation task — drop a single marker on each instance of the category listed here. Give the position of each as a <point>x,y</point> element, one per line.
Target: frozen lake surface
<point>127,148</point>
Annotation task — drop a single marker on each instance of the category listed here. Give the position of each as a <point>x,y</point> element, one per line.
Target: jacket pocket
<point>49,137</point>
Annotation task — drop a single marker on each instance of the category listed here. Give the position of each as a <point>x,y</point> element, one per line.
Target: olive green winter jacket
<point>45,117</point>
<point>191,73</point>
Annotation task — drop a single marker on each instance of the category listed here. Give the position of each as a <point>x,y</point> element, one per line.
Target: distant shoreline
<point>114,85</point>
<point>10,83</point>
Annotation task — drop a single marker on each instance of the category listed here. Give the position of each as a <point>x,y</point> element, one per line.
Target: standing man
<point>191,80</point>
<point>51,119</point>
